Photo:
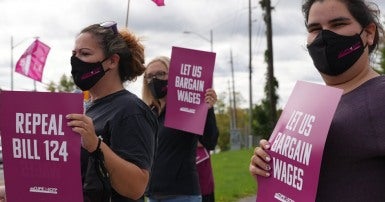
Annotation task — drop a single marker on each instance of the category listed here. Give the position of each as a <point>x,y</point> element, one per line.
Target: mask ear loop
<point>362,30</point>
<point>105,71</point>
<point>366,45</point>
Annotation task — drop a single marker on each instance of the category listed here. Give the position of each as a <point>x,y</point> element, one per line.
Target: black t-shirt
<point>174,171</point>
<point>353,163</point>
<point>129,127</point>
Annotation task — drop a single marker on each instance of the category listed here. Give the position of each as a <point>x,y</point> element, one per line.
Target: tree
<point>265,114</point>
<point>66,84</point>
<point>222,113</point>
<point>272,83</point>
<point>263,124</point>
<point>223,122</point>
<point>380,65</point>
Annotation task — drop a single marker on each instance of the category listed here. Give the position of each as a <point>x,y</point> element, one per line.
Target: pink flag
<point>31,63</point>
<point>159,2</point>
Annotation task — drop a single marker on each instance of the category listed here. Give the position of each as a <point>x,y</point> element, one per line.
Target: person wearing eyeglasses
<point>118,129</point>
<point>174,175</point>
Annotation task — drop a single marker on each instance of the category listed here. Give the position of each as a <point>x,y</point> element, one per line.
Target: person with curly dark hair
<point>118,129</point>
<point>342,34</point>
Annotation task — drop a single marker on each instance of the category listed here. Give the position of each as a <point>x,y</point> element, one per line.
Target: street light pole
<point>127,12</point>
<point>210,40</point>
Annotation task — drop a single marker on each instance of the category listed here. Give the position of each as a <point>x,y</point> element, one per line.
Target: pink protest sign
<point>297,144</point>
<point>41,153</point>
<point>202,155</point>
<point>190,74</point>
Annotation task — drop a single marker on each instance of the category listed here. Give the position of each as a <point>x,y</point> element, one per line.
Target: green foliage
<point>263,120</point>
<point>223,114</point>
<point>66,84</point>
<point>262,126</point>
<point>223,123</point>
<point>264,115</point>
<point>266,101</point>
<point>51,87</point>
<point>220,105</point>
<point>231,174</point>
<point>380,67</point>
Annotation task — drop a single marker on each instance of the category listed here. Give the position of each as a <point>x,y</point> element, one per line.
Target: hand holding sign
<point>210,97</point>
<point>83,125</point>
<point>190,75</point>
<point>292,157</point>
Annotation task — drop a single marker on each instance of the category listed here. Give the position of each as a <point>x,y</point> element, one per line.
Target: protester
<point>118,129</point>
<point>174,176</point>
<point>206,177</point>
<point>353,163</point>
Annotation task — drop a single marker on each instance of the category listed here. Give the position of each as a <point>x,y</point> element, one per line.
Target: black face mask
<point>333,54</point>
<point>86,74</point>
<point>158,88</point>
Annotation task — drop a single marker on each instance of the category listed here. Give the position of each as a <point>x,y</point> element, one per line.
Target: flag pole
<point>34,81</point>
<point>127,12</point>
<point>12,62</point>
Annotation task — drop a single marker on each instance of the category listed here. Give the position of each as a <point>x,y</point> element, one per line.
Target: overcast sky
<point>58,22</point>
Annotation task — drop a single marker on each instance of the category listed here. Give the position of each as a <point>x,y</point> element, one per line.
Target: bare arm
<point>126,178</point>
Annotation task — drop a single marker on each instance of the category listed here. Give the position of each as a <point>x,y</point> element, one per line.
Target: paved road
<point>248,199</point>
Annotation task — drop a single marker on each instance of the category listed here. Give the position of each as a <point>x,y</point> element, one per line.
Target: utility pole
<point>12,47</point>
<point>127,12</point>
<point>211,40</point>
<point>231,110</point>
<point>234,111</point>
<point>250,74</point>
<point>266,5</point>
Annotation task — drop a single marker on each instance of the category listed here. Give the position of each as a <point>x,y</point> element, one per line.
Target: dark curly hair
<point>364,12</point>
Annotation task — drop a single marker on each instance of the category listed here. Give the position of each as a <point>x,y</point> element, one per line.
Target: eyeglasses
<point>158,75</point>
<point>110,25</point>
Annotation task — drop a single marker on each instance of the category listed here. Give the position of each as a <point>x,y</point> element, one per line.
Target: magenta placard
<point>41,153</point>
<point>202,155</point>
<point>297,144</point>
<point>190,74</point>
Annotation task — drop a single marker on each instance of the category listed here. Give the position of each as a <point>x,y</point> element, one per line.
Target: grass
<point>231,174</point>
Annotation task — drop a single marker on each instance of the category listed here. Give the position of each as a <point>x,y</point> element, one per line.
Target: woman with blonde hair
<point>174,175</point>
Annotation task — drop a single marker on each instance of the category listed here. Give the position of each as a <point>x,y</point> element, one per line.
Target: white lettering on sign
<point>49,124</point>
